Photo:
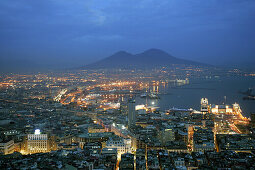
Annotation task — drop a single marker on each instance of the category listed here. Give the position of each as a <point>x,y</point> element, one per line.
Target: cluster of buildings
<point>40,132</point>
<point>93,156</point>
<point>130,137</point>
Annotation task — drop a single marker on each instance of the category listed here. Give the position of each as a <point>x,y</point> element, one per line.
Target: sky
<point>70,33</point>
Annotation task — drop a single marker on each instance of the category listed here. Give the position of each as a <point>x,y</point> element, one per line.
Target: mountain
<point>148,59</point>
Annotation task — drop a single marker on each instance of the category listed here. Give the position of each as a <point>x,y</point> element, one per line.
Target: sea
<point>217,91</point>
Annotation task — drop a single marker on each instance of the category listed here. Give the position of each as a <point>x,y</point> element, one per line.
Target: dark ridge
<point>148,59</point>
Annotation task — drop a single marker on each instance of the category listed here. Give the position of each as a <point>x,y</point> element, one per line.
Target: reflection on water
<point>189,95</point>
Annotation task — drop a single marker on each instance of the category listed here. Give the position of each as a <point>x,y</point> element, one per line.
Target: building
<point>93,146</point>
<point>236,142</point>
<point>120,130</point>
<point>127,161</point>
<point>166,136</point>
<point>152,159</point>
<point>123,108</point>
<point>37,143</point>
<point>221,109</point>
<point>95,128</point>
<point>203,139</point>
<point>109,158</point>
<point>206,109</point>
<point>253,119</point>
<point>179,162</point>
<point>131,113</point>
<point>140,159</point>
<point>123,145</point>
<point>93,137</point>
<point>204,105</point>
<point>6,147</point>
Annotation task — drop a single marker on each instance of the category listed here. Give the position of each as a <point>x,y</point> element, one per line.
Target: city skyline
<point>127,84</point>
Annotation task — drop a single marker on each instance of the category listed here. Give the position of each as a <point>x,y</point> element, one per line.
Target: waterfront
<point>94,113</point>
<point>189,95</point>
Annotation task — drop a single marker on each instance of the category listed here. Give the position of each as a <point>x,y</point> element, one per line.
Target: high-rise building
<point>205,109</point>
<point>131,113</point>
<point>123,108</point>
<point>204,105</point>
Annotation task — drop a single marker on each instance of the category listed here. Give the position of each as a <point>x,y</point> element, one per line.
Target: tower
<point>131,113</point>
<point>204,105</point>
<point>205,109</point>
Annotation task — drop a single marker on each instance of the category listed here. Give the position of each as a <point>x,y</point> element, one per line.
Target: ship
<point>144,95</point>
<point>249,94</point>
<point>153,96</point>
<point>149,95</point>
<point>249,98</point>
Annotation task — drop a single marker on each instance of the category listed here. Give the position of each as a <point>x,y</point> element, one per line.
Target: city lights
<point>37,132</point>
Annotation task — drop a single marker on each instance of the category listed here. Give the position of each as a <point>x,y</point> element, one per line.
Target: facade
<point>140,159</point>
<point>6,147</point>
<point>179,162</point>
<point>221,109</point>
<point>93,137</point>
<point>204,105</point>
<point>119,130</point>
<point>166,136</point>
<point>72,146</point>
<point>152,159</point>
<point>37,143</point>
<point>206,109</point>
<point>109,158</point>
<point>203,139</point>
<point>93,146</point>
<point>121,144</point>
<point>226,109</point>
<point>96,129</point>
<point>131,113</point>
<point>127,162</point>
<point>235,142</point>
